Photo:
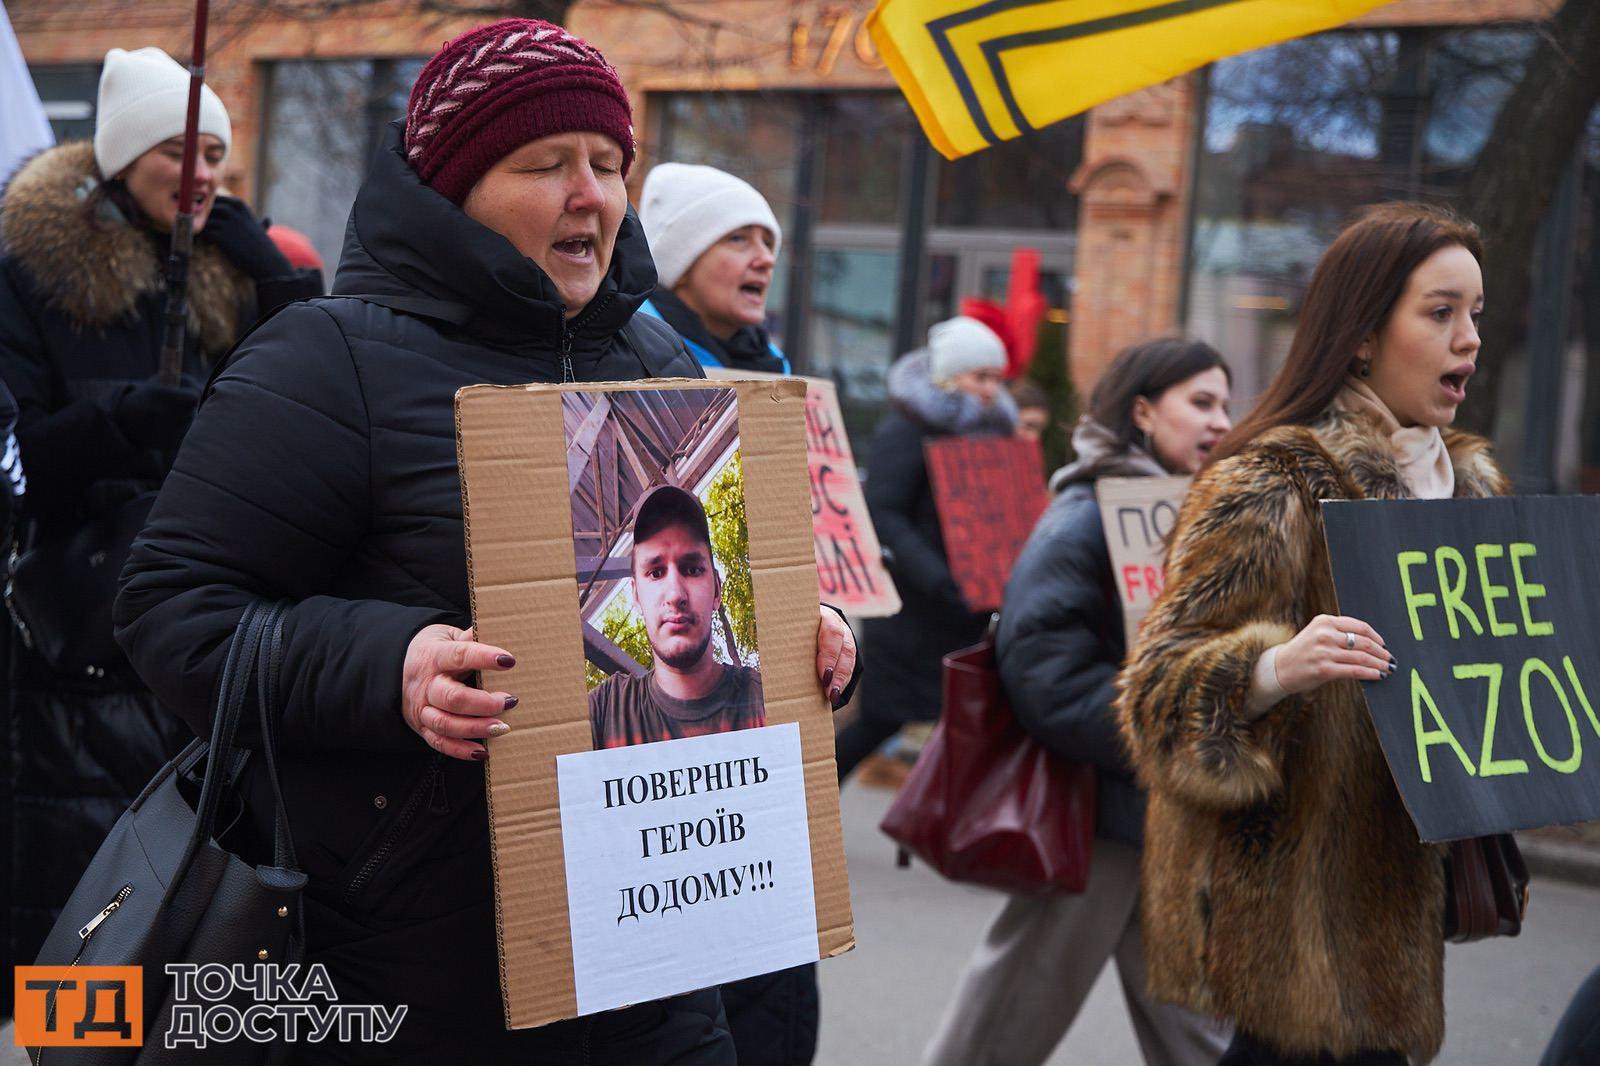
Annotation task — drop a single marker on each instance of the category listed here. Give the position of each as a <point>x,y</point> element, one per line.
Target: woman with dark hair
<point>491,242</point>
<point>1157,410</point>
<point>1285,890</point>
<point>85,229</point>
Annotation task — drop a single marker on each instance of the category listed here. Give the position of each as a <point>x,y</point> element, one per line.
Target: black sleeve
<point>64,449</point>
<point>897,480</point>
<point>861,663</point>
<point>269,495</point>
<point>273,293</point>
<point>1059,642</point>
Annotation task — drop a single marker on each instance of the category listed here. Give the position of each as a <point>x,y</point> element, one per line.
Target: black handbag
<point>1485,888</point>
<point>60,591</point>
<point>162,890</point>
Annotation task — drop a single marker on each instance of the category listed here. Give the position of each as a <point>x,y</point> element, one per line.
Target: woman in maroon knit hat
<point>491,242</point>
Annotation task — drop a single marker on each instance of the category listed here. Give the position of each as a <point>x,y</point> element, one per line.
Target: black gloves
<point>153,415</point>
<point>241,237</point>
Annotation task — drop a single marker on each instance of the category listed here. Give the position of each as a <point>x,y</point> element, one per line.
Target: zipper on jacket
<point>439,798</point>
<point>425,788</point>
<point>566,351</point>
<point>84,935</point>
<point>568,332</point>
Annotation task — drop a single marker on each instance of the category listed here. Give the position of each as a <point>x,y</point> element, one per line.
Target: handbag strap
<point>269,659</point>
<point>231,693</point>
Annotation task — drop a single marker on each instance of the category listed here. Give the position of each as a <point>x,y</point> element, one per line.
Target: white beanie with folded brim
<point>960,344</point>
<point>685,209</point>
<point>144,100</point>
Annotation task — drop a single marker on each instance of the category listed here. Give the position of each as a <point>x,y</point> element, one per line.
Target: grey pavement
<point>915,931</point>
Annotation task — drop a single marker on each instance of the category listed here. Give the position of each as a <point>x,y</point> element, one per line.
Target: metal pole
<point>799,246</point>
<point>177,316</point>
<point>1547,333</point>
<point>915,208</point>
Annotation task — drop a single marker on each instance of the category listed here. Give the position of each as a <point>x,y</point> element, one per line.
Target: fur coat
<point>1285,889</point>
<point>95,273</point>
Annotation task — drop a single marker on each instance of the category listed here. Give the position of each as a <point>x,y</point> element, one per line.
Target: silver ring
<point>1349,642</point>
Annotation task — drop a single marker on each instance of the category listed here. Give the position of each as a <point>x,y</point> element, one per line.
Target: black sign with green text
<point>1492,608</point>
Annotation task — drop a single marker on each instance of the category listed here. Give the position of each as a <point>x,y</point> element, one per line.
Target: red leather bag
<point>985,803</point>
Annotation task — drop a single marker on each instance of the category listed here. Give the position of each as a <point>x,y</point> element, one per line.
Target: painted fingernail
<point>1393,663</point>
<point>505,662</point>
<point>827,677</point>
<point>499,729</point>
<point>834,694</point>
<point>511,701</point>
<point>479,754</point>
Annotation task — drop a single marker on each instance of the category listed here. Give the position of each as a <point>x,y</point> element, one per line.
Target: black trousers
<point>1247,1050</point>
<point>859,739</point>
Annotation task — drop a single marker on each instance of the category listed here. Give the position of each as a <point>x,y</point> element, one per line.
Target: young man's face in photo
<point>678,591</point>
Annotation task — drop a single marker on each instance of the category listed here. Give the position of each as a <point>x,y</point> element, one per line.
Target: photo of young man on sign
<point>662,565</point>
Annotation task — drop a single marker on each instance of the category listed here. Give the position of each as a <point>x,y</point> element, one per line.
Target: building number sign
<point>834,29</point>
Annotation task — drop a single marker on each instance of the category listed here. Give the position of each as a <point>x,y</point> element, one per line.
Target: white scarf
<point>1420,451</point>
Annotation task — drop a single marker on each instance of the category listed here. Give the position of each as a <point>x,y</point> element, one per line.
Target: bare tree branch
<point>1532,140</point>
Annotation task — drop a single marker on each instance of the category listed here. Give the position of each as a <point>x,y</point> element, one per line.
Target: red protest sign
<point>989,492</point>
<point>850,568</point>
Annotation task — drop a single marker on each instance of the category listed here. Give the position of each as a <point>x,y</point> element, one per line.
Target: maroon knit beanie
<point>489,92</point>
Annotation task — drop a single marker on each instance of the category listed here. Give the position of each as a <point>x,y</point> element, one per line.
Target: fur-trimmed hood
<point>913,390</point>
<point>94,271</point>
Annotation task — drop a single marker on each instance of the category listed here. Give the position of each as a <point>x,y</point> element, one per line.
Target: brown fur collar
<point>94,271</point>
<point>1360,451</point>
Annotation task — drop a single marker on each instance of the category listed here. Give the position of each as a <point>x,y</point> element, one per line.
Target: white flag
<point>23,128</point>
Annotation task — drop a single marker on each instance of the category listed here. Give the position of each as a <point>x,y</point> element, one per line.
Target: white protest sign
<point>688,864</point>
<point>1138,514</point>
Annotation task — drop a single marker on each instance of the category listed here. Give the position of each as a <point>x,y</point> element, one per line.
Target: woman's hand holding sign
<point>1329,648</point>
<point>439,705</point>
<point>836,655</point>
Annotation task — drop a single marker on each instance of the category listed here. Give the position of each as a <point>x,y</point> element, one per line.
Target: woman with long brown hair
<point>1284,887</point>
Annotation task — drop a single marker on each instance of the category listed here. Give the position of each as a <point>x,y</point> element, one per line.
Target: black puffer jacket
<point>1060,645</point>
<point>322,470</point>
<point>81,321</point>
<point>906,649</point>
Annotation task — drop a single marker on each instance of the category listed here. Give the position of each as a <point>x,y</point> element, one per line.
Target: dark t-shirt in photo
<point>625,710</point>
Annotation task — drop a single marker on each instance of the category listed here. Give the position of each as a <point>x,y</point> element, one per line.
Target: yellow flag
<point>979,72</point>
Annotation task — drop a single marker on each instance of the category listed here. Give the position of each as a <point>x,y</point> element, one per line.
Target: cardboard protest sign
<point>664,812</point>
<point>849,559</point>
<point>989,492</point>
<point>1490,723</point>
<point>1138,514</point>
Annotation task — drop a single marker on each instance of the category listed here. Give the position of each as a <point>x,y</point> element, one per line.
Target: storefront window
<point>852,329</point>
<point>753,135</point>
<point>841,259</point>
<point>68,93</point>
<point>863,153</point>
<point>323,120</point>
<point>1298,136</point>
<point>1019,184</point>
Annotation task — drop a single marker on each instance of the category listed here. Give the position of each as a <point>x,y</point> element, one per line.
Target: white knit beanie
<point>960,344</point>
<point>686,209</point>
<point>144,99</point>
